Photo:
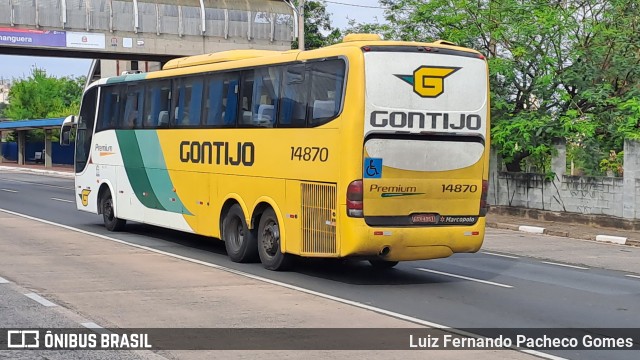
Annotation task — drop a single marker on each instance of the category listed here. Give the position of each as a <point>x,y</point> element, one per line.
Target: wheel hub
<point>239,234</point>
<point>271,238</point>
<point>108,209</point>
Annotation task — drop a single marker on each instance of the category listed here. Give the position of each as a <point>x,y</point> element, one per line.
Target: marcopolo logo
<point>428,81</point>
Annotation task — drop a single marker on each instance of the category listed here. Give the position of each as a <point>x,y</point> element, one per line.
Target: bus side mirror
<point>65,131</point>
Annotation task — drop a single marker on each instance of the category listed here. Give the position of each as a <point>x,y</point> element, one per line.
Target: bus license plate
<point>424,218</point>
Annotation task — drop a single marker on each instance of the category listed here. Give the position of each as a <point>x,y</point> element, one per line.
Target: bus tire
<point>111,222</point>
<point>269,247</point>
<point>239,241</point>
<point>382,264</point>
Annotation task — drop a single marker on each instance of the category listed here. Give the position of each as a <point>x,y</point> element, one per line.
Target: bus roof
<point>223,56</point>
<point>351,40</point>
<point>362,40</point>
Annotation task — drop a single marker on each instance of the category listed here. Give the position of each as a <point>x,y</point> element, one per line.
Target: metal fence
<point>249,19</point>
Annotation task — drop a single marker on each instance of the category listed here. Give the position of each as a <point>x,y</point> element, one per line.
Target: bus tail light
<point>484,205</point>
<point>354,199</point>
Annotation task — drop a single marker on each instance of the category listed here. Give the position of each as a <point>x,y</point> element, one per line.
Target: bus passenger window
<point>156,104</point>
<point>213,105</point>
<point>132,108</point>
<point>293,97</point>
<point>266,90</point>
<point>188,102</point>
<point>110,108</point>
<point>220,100</point>
<point>327,79</point>
<point>246,95</point>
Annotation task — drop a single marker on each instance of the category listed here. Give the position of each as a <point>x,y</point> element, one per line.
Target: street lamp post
<point>301,24</point>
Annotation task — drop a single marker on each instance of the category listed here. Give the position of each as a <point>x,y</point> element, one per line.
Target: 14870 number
<point>459,188</point>
<point>309,153</point>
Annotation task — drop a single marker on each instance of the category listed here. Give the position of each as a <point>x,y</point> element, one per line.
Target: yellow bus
<point>368,149</point>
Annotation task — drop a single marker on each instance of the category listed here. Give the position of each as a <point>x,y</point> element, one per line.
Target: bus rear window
<point>429,154</point>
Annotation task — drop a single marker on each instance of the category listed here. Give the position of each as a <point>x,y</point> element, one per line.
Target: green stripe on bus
<point>134,167</point>
<point>157,173</point>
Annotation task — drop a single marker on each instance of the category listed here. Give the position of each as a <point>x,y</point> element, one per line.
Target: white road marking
<point>63,200</point>
<point>40,299</point>
<point>565,265</point>
<point>38,184</point>
<point>91,325</point>
<point>96,328</point>
<point>9,190</point>
<point>633,276</point>
<point>465,277</point>
<point>502,255</point>
<point>3,280</point>
<point>281,284</point>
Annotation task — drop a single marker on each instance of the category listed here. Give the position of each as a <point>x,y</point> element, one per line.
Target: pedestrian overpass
<point>142,30</point>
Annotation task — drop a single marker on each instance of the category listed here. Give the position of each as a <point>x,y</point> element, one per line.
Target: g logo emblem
<point>84,197</point>
<point>428,81</point>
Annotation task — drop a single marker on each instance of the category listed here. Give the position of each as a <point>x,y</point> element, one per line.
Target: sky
<point>12,66</point>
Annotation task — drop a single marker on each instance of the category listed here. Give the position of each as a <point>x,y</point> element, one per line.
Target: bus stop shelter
<point>20,127</point>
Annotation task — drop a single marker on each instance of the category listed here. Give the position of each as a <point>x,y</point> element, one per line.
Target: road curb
<point>612,239</point>
<point>531,229</point>
<point>540,230</point>
<point>38,171</point>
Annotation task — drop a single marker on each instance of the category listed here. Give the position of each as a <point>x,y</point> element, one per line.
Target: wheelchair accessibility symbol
<point>372,168</point>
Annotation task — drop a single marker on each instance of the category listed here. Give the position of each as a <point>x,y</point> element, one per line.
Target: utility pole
<point>301,24</point>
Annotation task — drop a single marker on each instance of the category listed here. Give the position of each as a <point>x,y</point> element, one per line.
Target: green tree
<point>41,96</point>
<point>562,68</point>
<point>317,23</point>
<point>603,81</point>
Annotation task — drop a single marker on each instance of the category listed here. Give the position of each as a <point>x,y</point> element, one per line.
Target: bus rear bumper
<point>412,243</point>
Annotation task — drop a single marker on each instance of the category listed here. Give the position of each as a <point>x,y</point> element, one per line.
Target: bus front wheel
<point>238,240</point>
<point>269,246</point>
<point>111,222</point>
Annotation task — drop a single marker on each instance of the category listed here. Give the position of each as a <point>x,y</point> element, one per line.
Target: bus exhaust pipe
<point>385,251</point>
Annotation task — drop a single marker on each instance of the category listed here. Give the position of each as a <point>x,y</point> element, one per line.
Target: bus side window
<point>266,91</point>
<point>188,102</point>
<point>110,108</point>
<point>156,104</point>
<point>214,104</point>
<point>327,82</point>
<point>246,90</point>
<point>177,104</point>
<point>231,104</point>
<point>293,97</point>
<point>132,108</point>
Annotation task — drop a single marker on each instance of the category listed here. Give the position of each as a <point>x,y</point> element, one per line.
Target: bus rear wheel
<point>240,243</point>
<point>382,264</point>
<point>269,246</point>
<point>111,222</point>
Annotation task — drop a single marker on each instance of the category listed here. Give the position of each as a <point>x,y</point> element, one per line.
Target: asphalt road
<point>467,291</point>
